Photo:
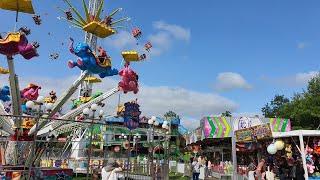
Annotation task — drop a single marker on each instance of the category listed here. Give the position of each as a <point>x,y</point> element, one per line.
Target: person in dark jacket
<point>299,171</point>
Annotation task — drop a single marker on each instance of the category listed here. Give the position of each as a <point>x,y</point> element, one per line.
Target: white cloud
<point>161,42</point>
<point>153,100</point>
<point>167,34</point>
<point>295,80</point>
<point>304,78</point>
<point>230,80</point>
<point>162,39</point>
<point>190,123</point>
<point>176,31</point>
<point>121,40</point>
<point>302,45</point>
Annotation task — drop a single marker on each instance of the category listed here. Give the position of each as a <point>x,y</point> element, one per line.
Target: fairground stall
<point>272,150</point>
<point>214,139</point>
<point>304,144</point>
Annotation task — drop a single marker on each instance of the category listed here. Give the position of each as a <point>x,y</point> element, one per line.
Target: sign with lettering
<point>254,133</point>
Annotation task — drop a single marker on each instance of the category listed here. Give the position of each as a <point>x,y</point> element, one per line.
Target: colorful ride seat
<point>17,43</point>
<point>130,56</point>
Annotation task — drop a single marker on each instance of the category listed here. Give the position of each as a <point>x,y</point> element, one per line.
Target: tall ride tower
<point>91,40</point>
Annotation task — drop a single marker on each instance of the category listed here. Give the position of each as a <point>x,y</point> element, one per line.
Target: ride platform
<point>17,5</point>
<point>130,56</point>
<point>99,29</point>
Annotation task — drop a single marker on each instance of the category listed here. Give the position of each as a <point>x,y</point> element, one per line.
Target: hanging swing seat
<point>17,43</point>
<point>92,79</point>
<point>99,29</point>
<point>17,5</point>
<point>130,56</point>
<point>9,44</point>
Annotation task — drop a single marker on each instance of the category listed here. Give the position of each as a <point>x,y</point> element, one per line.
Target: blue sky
<point>235,54</point>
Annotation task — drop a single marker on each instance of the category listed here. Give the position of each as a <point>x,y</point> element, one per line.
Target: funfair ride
<point>24,128</point>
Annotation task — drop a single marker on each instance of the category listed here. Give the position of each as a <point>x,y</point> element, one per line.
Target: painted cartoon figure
<point>89,61</point>
<point>288,150</point>
<point>51,98</point>
<point>5,93</point>
<point>31,92</point>
<point>17,43</point>
<point>129,81</point>
<point>131,114</point>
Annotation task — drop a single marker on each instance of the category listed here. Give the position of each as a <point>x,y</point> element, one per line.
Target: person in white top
<point>111,171</point>
<point>195,169</point>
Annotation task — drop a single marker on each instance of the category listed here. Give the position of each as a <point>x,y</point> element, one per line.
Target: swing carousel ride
<point>27,118</point>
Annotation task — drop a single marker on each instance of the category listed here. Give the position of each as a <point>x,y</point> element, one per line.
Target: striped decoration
<point>216,127</point>
<point>280,125</point>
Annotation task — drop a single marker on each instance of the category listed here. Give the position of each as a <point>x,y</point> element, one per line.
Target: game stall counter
<point>259,151</point>
<point>308,145</point>
<point>218,152</point>
<point>215,128</point>
<point>298,149</point>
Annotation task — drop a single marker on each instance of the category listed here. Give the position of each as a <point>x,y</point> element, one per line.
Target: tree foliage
<point>226,114</point>
<point>303,108</point>
<point>171,115</point>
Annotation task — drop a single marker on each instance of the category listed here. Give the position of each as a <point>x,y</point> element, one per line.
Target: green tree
<point>272,109</point>
<point>171,115</point>
<point>303,109</point>
<point>226,114</point>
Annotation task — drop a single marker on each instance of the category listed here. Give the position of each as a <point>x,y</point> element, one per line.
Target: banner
<point>280,125</point>
<point>216,127</point>
<point>222,127</point>
<point>254,133</point>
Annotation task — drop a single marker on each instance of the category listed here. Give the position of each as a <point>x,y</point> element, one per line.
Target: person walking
<point>195,169</point>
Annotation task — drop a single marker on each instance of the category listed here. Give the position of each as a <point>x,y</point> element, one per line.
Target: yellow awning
<point>98,29</point>
<point>17,5</point>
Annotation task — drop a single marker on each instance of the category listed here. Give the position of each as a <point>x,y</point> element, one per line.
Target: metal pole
<point>14,90</point>
<point>90,147</point>
<point>152,148</point>
<point>91,40</point>
<point>34,144</point>
<point>128,154</point>
<point>234,156</point>
<point>303,155</point>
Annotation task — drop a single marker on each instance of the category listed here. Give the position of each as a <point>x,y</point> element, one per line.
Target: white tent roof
<point>296,133</point>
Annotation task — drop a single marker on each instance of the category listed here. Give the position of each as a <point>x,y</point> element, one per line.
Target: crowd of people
<point>281,167</point>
